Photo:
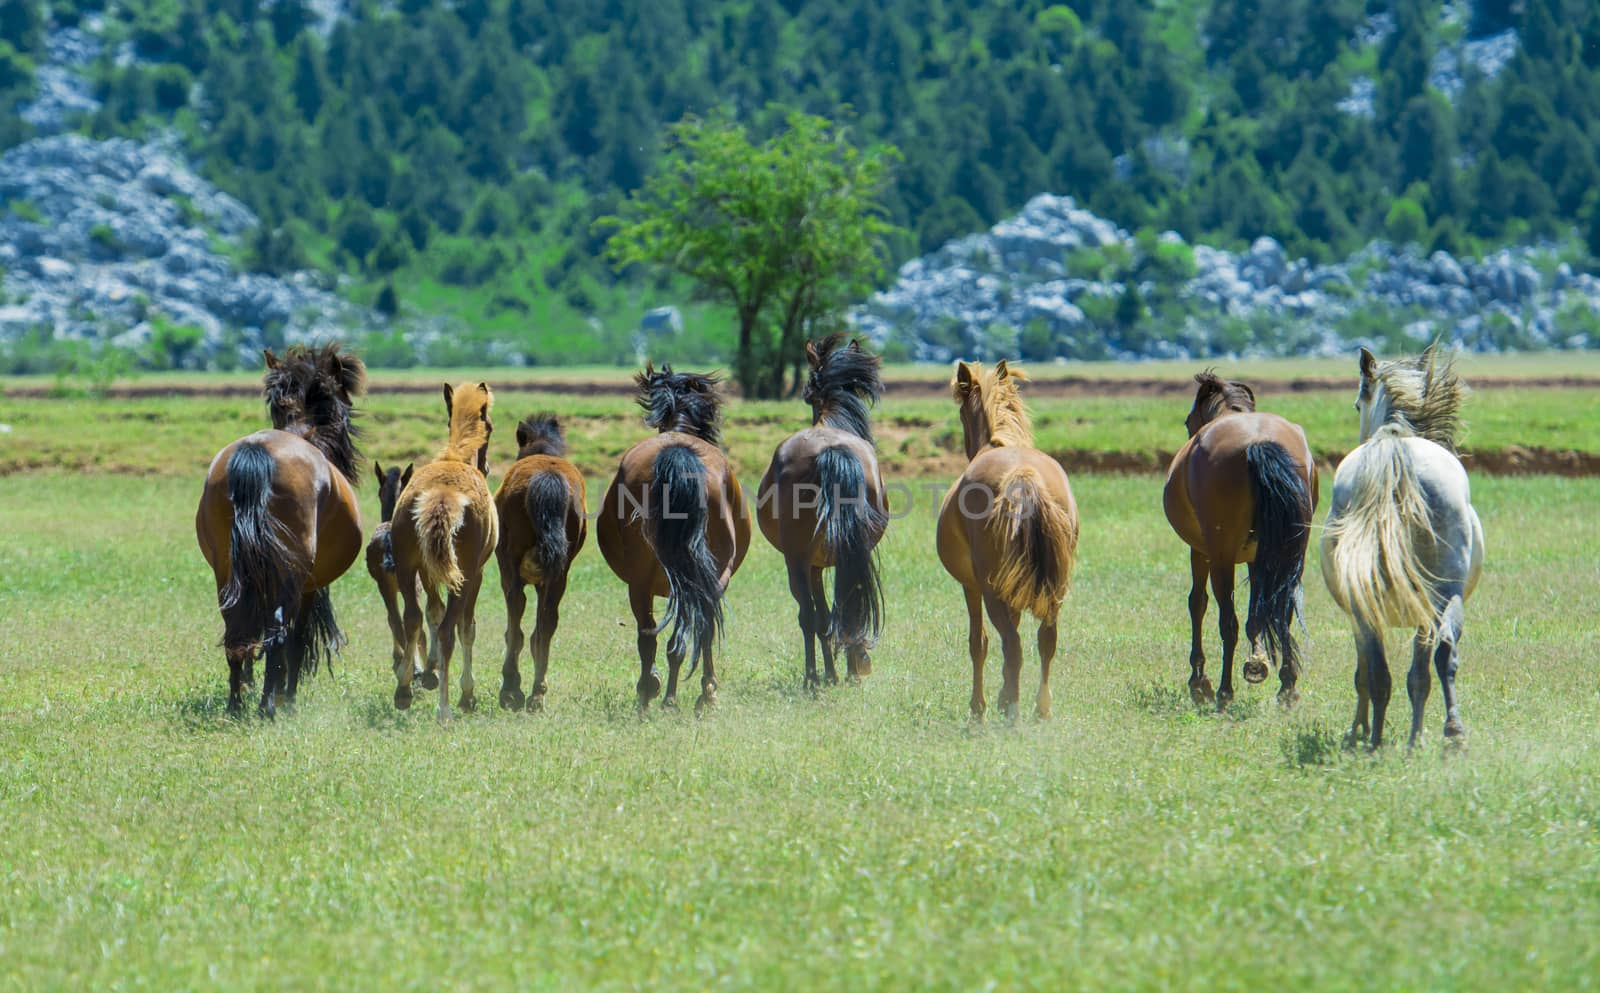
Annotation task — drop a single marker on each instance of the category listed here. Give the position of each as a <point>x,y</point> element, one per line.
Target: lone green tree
<point>787,232</point>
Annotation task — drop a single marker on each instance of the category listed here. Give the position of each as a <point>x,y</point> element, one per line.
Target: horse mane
<point>309,392</point>
<point>469,422</point>
<point>1217,394</point>
<point>1421,396</point>
<point>681,401</point>
<point>999,400</point>
<point>540,434</point>
<point>845,384</point>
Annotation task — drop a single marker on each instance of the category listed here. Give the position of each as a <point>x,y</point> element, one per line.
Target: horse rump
<point>1369,548</point>
<point>675,524</point>
<point>1041,545</point>
<point>1283,528</point>
<point>546,500</point>
<point>264,578</point>
<point>438,516</point>
<point>851,525</point>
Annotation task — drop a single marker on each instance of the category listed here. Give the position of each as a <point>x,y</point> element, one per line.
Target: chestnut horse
<point>444,531</point>
<point>540,503</point>
<point>1403,546</point>
<point>1008,530</point>
<point>821,504</point>
<point>1242,489</point>
<point>278,522</point>
<point>380,566</point>
<point>673,523</point>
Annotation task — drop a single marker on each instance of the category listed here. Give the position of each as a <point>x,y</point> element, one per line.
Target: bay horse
<point>278,522</point>
<point>380,566</point>
<point>1008,530</point>
<point>821,504</point>
<point>1243,488</point>
<point>540,503</point>
<point>444,530</point>
<point>673,523</point>
<point>1403,546</point>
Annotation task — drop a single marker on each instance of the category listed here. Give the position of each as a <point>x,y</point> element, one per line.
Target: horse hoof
<point>402,699</point>
<point>670,703</point>
<point>1223,699</point>
<point>467,704</point>
<point>511,699</point>
<point>536,703</point>
<point>1200,692</point>
<point>1255,670</point>
<point>1454,729</point>
<point>648,687</point>
<point>430,680</point>
<point>707,701</point>
<point>1288,697</point>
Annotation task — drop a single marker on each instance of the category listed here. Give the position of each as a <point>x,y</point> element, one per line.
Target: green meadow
<point>866,838</point>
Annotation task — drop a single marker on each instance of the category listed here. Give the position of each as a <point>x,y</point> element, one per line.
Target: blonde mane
<point>1422,396</point>
<point>469,422</point>
<point>993,396</point>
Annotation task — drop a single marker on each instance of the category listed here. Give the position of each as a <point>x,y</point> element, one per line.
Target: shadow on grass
<point>205,711</point>
<point>1312,745</point>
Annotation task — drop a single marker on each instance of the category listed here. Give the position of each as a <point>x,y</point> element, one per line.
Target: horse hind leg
<point>1005,621</point>
<point>708,679</point>
<point>824,625</point>
<point>978,648</point>
<point>1255,667</point>
<point>468,628</point>
<point>1199,686</point>
<point>1446,659</point>
<point>1419,682</point>
<point>1228,627</point>
<point>435,619</point>
<point>800,589</point>
<point>544,630</point>
<point>642,601</point>
<point>1047,653</point>
<point>516,596</point>
<point>1370,644</point>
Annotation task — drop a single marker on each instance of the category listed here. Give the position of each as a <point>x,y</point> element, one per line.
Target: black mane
<point>309,393</point>
<point>681,401</point>
<point>540,434</point>
<point>844,385</point>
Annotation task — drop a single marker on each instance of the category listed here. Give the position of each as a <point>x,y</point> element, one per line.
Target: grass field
<point>866,839</point>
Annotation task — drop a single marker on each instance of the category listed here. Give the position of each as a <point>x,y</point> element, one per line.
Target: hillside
<point>449,159</point>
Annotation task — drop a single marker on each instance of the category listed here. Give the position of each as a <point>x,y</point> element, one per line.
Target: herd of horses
<point>278,522</point>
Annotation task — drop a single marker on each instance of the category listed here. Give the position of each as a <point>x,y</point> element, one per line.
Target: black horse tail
<point>851,525</point>
<point>263,587</point>
<point>1283,528</point>
<point>547,498</point>
<point>317,633</point>
<point>675,523</point>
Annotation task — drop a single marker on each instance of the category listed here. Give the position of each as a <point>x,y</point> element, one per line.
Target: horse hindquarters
<point>1282,526</point>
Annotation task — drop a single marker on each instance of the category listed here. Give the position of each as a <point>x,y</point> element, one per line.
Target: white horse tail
<point>1369,550</point>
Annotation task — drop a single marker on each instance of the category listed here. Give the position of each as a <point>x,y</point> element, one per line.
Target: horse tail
<point>1370,554</point>
<point>851,525</point>
<point>546,499</point>
<point>317,633</point>
<point>439,515</point>
<point>1283,528</point>
<point>675,523</point>
<point>1042,545</point>
<point>263,585</point>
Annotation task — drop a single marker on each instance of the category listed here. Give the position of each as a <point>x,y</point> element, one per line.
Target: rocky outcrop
<point>104,240</point>
<point>1017,277</point>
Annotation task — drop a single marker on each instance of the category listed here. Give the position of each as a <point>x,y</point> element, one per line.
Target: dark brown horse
<point>821,504</point>
<point>1243,489</point>
<point>673,523</point>
<point>380,566</point>
<point>278,522</point>
<point>1008,530</point>
<point>444,531</point>
<point>542,527</point>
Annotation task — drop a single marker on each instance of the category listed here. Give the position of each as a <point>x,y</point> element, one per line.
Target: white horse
<point>1403,546</point>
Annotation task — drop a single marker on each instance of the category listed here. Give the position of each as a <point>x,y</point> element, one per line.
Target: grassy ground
<point>866,839</point>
